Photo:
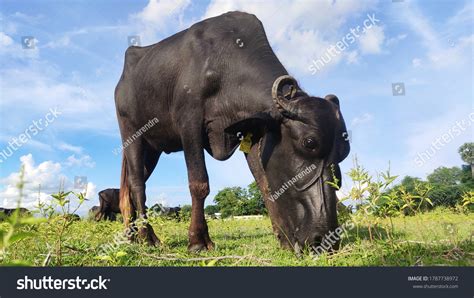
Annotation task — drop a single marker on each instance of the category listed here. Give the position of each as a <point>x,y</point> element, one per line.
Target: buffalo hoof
<point>201,246</point>
<point>150,237</point>
<point>146,235</point>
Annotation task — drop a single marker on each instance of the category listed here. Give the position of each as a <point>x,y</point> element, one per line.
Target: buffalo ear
<point>332,98</point>
<point>255,124</point>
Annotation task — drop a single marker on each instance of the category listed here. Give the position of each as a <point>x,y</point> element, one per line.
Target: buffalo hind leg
<point>140,229</point>
<point>199,187</point>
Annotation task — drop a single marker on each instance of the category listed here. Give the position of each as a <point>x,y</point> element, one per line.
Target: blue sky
<point>78,57</point>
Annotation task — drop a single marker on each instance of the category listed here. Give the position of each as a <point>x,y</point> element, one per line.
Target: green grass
<point>441,237</point>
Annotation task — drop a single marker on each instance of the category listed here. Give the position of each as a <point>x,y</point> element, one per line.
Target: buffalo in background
<point>109,204</point>
<point>72,217</point>
<point>160,210</point>
<point>94,211</point>
<point>5,212</point>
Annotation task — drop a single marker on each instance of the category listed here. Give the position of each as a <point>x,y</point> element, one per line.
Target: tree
<point>446,176</point>
<point>211,209</point>
<point>449,184</point>
<point>447,195</point>
<point>255,204</point>
<point>186,211</point>
<point>467,179</point>
<point>410,182</point>
<point>467,155</point>
<point>407,197</point>
<point>231,201</point>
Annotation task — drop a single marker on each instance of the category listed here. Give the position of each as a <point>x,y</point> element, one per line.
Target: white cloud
<point>69,147</point>
<point>5,40</point>
<point>81,161</point>
<point>365,118</point>
<point>455,53</point>
<point>425,147</point>
<point>10,49</point>
<point>352,57</point>
<point>156,17</point>
<point>286,24</point>
<point>62,42</point>
<point>394,40</point>
<point>30,143</point>
<point>40,84</point>
<point>416,62</point>
<point>299,31</point>
<point>41,181</point>
<point>66,39</point>
<point>441,52</point>
<point>371,42</point>
<point>83,106</point>
<point>301,58</point>
<point>157,11</point>
<point>26,18</point>
<point>8,26</point>
<point>463,17</point>
<point>39,145</point>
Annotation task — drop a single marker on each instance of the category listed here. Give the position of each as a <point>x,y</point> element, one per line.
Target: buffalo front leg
<point>199,187</point>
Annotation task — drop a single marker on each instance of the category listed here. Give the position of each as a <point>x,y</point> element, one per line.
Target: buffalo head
<point>295,150</point>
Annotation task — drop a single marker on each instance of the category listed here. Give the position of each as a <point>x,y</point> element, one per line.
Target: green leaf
<point>120,254</point>
<point>332,184</point>
<point>32,220</point>
<point>103,258</point>
<point>16,263</point>
<point>20,235</point>
<point>211,263</point>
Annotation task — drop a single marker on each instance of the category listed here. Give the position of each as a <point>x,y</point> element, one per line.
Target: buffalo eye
<point>310,143</point>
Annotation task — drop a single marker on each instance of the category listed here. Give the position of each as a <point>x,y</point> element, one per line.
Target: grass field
<point>437,238</point>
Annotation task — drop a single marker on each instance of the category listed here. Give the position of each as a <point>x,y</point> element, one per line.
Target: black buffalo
<point>109,204</point>
<point>210,86</point>
<point>94,211</point>
<point>4,212</point>
<point>161,210</point>
<point>72,217</point>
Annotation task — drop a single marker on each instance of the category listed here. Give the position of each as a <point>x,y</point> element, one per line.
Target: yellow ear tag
<point>246,143</point>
